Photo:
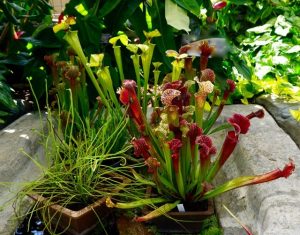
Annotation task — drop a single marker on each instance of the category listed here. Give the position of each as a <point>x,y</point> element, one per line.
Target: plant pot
<point>73,222</point>
<point>184,222</point>
<point>77,222</point>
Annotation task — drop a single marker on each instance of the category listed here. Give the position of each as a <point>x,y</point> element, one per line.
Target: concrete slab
<point>280,111</point>
<point>270,208</point>
<point>15,167</point>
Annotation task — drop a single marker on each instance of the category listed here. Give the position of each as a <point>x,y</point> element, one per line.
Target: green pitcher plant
<point>175,143</point>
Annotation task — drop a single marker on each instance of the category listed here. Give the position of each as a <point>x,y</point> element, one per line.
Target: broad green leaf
<point>124,11</point>
<point>108,7</point>
<point>246,88</point>
<point>261,29</point>
<point>266,12</point>
<point>47,21</point>
<point>176,16</point>
<point>263,40</point>
<point>167,41</point>
<point>86,32</point>
<point>81,9</point>
<point>191,6</point>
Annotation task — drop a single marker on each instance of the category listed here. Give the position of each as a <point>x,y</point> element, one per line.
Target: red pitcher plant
<point>176,144</point>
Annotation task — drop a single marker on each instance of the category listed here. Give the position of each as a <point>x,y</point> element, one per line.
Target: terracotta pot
<point>78,222</point>
<point>184,222</point>
<point>75,222</point>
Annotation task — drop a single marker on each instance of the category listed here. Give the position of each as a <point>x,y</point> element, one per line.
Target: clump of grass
<point>211,227</point>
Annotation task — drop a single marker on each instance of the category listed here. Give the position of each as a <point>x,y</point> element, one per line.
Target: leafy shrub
<point>267,36</point>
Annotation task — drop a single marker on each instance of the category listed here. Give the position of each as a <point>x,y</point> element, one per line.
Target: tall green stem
<point>72,38</point>
<point>156,77</point>
<point>146,62</point>
<point>118,57</point>
<point>136,64</point>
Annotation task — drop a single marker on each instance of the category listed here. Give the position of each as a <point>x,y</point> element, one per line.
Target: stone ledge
<point>280,110</point>
<point>15,167</point>
<point>270,208</point>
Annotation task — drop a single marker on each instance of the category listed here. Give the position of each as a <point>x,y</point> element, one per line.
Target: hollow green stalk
<point>162,210</point>
<point>105,80</point>
<point>180,180</point>
<point>134,204</point>
<point>146,57</point>
<point>168,161</point>
<point>136,64</point>
<point>177,65</point>
<point>72,38</point>
<point>156,73</point>
<point>118,57</point>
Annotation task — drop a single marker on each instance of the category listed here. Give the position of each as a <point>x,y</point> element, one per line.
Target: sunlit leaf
<point>295,114</point>
<point>282,27</point>
<point>280,60</point>
<point>261,29</point>
<point>176,16</point>
<point>293,49</point>
<point>81,9</point>
<point>191,6</point>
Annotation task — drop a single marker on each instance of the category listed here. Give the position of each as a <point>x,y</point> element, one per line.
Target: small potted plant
<point>85,147</point>
<point>176,143</point>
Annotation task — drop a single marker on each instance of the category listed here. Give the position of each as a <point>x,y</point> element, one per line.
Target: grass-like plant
<point>83,170</point>
<point>83,165</point>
